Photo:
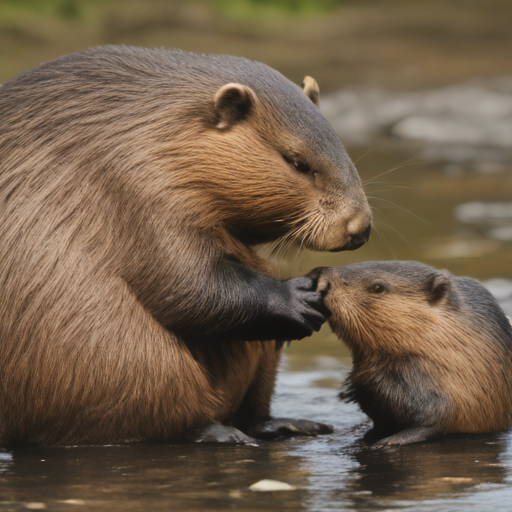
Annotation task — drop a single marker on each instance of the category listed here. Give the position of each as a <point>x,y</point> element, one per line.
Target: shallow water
<point>333,472</point>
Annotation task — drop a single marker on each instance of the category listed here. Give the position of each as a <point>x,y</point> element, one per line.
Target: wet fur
<point>433,354</point>
<point>126,224</point>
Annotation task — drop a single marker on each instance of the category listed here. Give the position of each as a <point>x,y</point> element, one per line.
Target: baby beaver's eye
<point>299,166</point>
<point>378,288</point>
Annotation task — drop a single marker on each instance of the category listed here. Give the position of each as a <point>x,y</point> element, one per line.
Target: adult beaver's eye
<point>299,166</point>
<point>287,159</point>
<point>302,168</point>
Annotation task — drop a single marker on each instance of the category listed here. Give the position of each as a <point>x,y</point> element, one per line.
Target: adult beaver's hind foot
<point>274,428</point>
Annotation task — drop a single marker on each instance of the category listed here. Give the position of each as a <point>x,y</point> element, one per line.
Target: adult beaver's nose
<point>359,239</point>
<point>356,240</point>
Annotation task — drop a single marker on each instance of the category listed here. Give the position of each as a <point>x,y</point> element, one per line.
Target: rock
<point>468,114</point>
<point>500,288</point>
<point>271,485</point>
<point>503,234</point>
<point>35,505</point>
<point>496,217</point>
<point>438,129</point>
<point>458,159</point>
<point>455,130</point>
<point>455,480</point>
<point>462,249</point>
<point>461,154</point>
<point>471,101</point>
<point>482,213</point>
<point>506,305</point>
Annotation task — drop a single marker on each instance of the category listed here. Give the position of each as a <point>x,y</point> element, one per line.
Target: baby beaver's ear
<point>311,89</point>
<point>438,287</point>
<point>233,103</point>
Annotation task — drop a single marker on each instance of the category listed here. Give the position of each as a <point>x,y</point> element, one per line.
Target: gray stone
<point>503,234</point>
<point>478,113</point>
<point>482,213</point>
<point>500,288</point>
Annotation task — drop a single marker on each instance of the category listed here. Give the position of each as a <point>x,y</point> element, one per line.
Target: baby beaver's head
<point>389,307</point>
<point>431,351</point>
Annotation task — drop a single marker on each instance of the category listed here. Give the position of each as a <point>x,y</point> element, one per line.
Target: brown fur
<point>124,183</point>
<point>433,350</point>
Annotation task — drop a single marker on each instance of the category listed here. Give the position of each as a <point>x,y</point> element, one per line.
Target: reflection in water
<point>438,475</point>
<point>5,461</point>
<point>152,477</point>
<point>431,470</point>
<point>331,473</point>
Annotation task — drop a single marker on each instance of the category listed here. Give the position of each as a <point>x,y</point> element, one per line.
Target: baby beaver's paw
<point>306,311</point>
<point>272,428</point>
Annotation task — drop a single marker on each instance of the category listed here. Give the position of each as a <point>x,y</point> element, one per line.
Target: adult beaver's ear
<point>311,89</point>
<point>438,287</point>
<point>233,103</point>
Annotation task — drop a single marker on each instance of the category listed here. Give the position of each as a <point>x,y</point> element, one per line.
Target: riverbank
<point>387,43</point>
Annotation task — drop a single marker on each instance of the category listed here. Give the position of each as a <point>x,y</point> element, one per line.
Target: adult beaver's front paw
<point>272,428</point>
<point>305,311</point>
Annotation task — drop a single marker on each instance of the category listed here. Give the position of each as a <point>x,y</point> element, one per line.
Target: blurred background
<point>400,44</point>
<point>420,92</point>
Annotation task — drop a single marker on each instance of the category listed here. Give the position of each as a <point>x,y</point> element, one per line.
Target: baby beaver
<point>432,352</point>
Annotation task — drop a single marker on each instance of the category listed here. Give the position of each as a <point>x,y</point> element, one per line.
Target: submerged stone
<point>271,485</point>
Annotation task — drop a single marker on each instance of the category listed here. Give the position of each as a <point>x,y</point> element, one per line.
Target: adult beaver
<point>134,185</point>
<point>432,352</point>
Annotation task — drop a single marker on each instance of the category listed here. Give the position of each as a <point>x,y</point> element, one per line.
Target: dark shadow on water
<point>441,468</point>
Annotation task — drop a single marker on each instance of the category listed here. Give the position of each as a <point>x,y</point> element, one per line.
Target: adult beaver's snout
<point>356,240</point>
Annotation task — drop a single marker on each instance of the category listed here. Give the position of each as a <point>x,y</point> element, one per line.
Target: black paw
<point>307,311</point>
<point>273,428</point>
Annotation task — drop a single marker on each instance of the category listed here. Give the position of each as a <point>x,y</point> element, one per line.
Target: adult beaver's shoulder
<point>134,184</point>
<point>432,352</point>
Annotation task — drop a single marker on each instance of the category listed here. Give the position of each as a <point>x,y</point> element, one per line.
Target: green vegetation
<point>402,43</point>
<point>65,9</point>
<point>74,9</point>
<point>249,8</point>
